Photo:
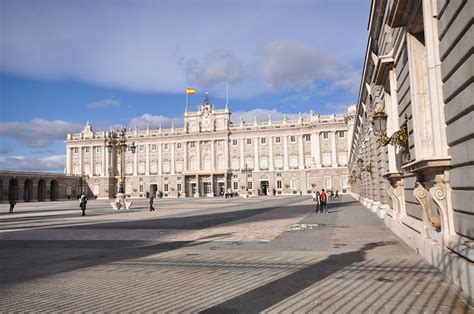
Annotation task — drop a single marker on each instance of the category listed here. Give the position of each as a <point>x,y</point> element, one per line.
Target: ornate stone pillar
<point>316,149</point>
<point>92,168</point>
<point>198,155</point>
<point>255,156</point>
<point>185,158</point>
<point>147,160</point>
<point>242,157</point>
<point>160,160</point>
<point>135,164</point>
<point>333,149</point>
<point>270,155</point>
<point>68,160</point>
<point>285,152</point>
<point>301,152</point>
<point>213,155</point>
<point>173,157</point>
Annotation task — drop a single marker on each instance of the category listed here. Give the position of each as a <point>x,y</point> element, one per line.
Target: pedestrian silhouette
<point>83,204</point>
<point>152,209</point>
<point>12,205</point>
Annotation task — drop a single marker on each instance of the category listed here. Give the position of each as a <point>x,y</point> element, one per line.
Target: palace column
<point>316,149</point>
<point>301,151</point>
<point>197,186</point>
<point>160,161</point>
<point>333,149</point>
<point>256,164</point>
<point>92,162</point>
<point>270,153</point>
<point>173,157</point>
<point>213,156</point>
<point>285,152</point>
<point>68,161</point>
<point>185,156</point>
<point>135,164</point>
<point>198,155</point>
<point>242,159</point>
<point>104,161</point>
<point>147,159</point>
<point>81,160</point>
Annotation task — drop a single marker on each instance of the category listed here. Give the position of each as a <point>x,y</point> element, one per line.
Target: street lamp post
<point>83,181</point>
<point>246,170</point>
<point>119,142</point>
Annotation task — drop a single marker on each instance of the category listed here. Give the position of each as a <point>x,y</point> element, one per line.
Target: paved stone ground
<point>212,255</point>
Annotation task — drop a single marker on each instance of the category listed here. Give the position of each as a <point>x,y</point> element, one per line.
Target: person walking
<point>318,202</point>
<point>313,195</point>
<point>83,204</point>
<point>12,205</point>
<point>324,199</point>
<point>152,209</point>
<point>337,194</point>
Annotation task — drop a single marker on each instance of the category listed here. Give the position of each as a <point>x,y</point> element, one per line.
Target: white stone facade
<point>207,155</point>
<point>419,69</point>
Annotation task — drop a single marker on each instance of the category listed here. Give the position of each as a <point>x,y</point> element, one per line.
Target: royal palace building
<point>412,153</point>
<point>210,156</point>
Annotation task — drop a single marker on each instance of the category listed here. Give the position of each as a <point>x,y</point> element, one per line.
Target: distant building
<point>38,186</point>
<point>207,156</point>
<point>419,70</point>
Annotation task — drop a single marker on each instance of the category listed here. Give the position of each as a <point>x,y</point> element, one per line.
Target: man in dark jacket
<point>83,204</point>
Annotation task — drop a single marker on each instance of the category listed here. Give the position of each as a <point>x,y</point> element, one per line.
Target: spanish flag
<point>190,91</point>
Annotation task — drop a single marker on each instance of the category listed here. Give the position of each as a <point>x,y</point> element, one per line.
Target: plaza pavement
<point>270,255</point>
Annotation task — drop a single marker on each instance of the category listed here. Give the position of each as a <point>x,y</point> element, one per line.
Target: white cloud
<point>51,163</point>
<point>297,65</point>
<point>104,103</point>
<point>38,132</point>
<point>138,46</point>
<point>154,121</point>
<point>217,67</point>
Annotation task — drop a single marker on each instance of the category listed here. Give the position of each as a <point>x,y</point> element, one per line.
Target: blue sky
<point>63,63</point>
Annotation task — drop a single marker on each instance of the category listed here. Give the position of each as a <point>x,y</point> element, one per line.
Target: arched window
<point>207,162</point>
<point>235,163</point>
<point>192,163</point>
<point>220,162</point>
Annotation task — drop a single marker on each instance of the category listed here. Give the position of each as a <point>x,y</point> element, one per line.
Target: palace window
<point>307,137</point>
<point>140,187</point>
<point>97,149</point>
<point>76,150</point>
<point>207,162</point>
<point>325,135</point>
<point>278,140</point>
<point>141,168</point>
<point>141,148</point>
<point>293,139</point>
<point>178,145</point>
<point>344,183</point>
<point>167,146</point>
<point>328,183</point>
<point>153,147</point>
<point>236,185</point>
<point>179,166</point>
<point>166,187</point>
<point>263,140</point>
<point>250,185</point>
<point>220,143</point>
<point>293,184</point>
<point>178,187</point>
<point>192,144</point>
<point>279,185</point>
<point>293,162</point>
<point>326,159</point>
<point>192,163</point>
<point>249,141</point>
<point>235,163</point>
<point>87,149</point>
<point>207,187</point>
<point>341,134</point>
